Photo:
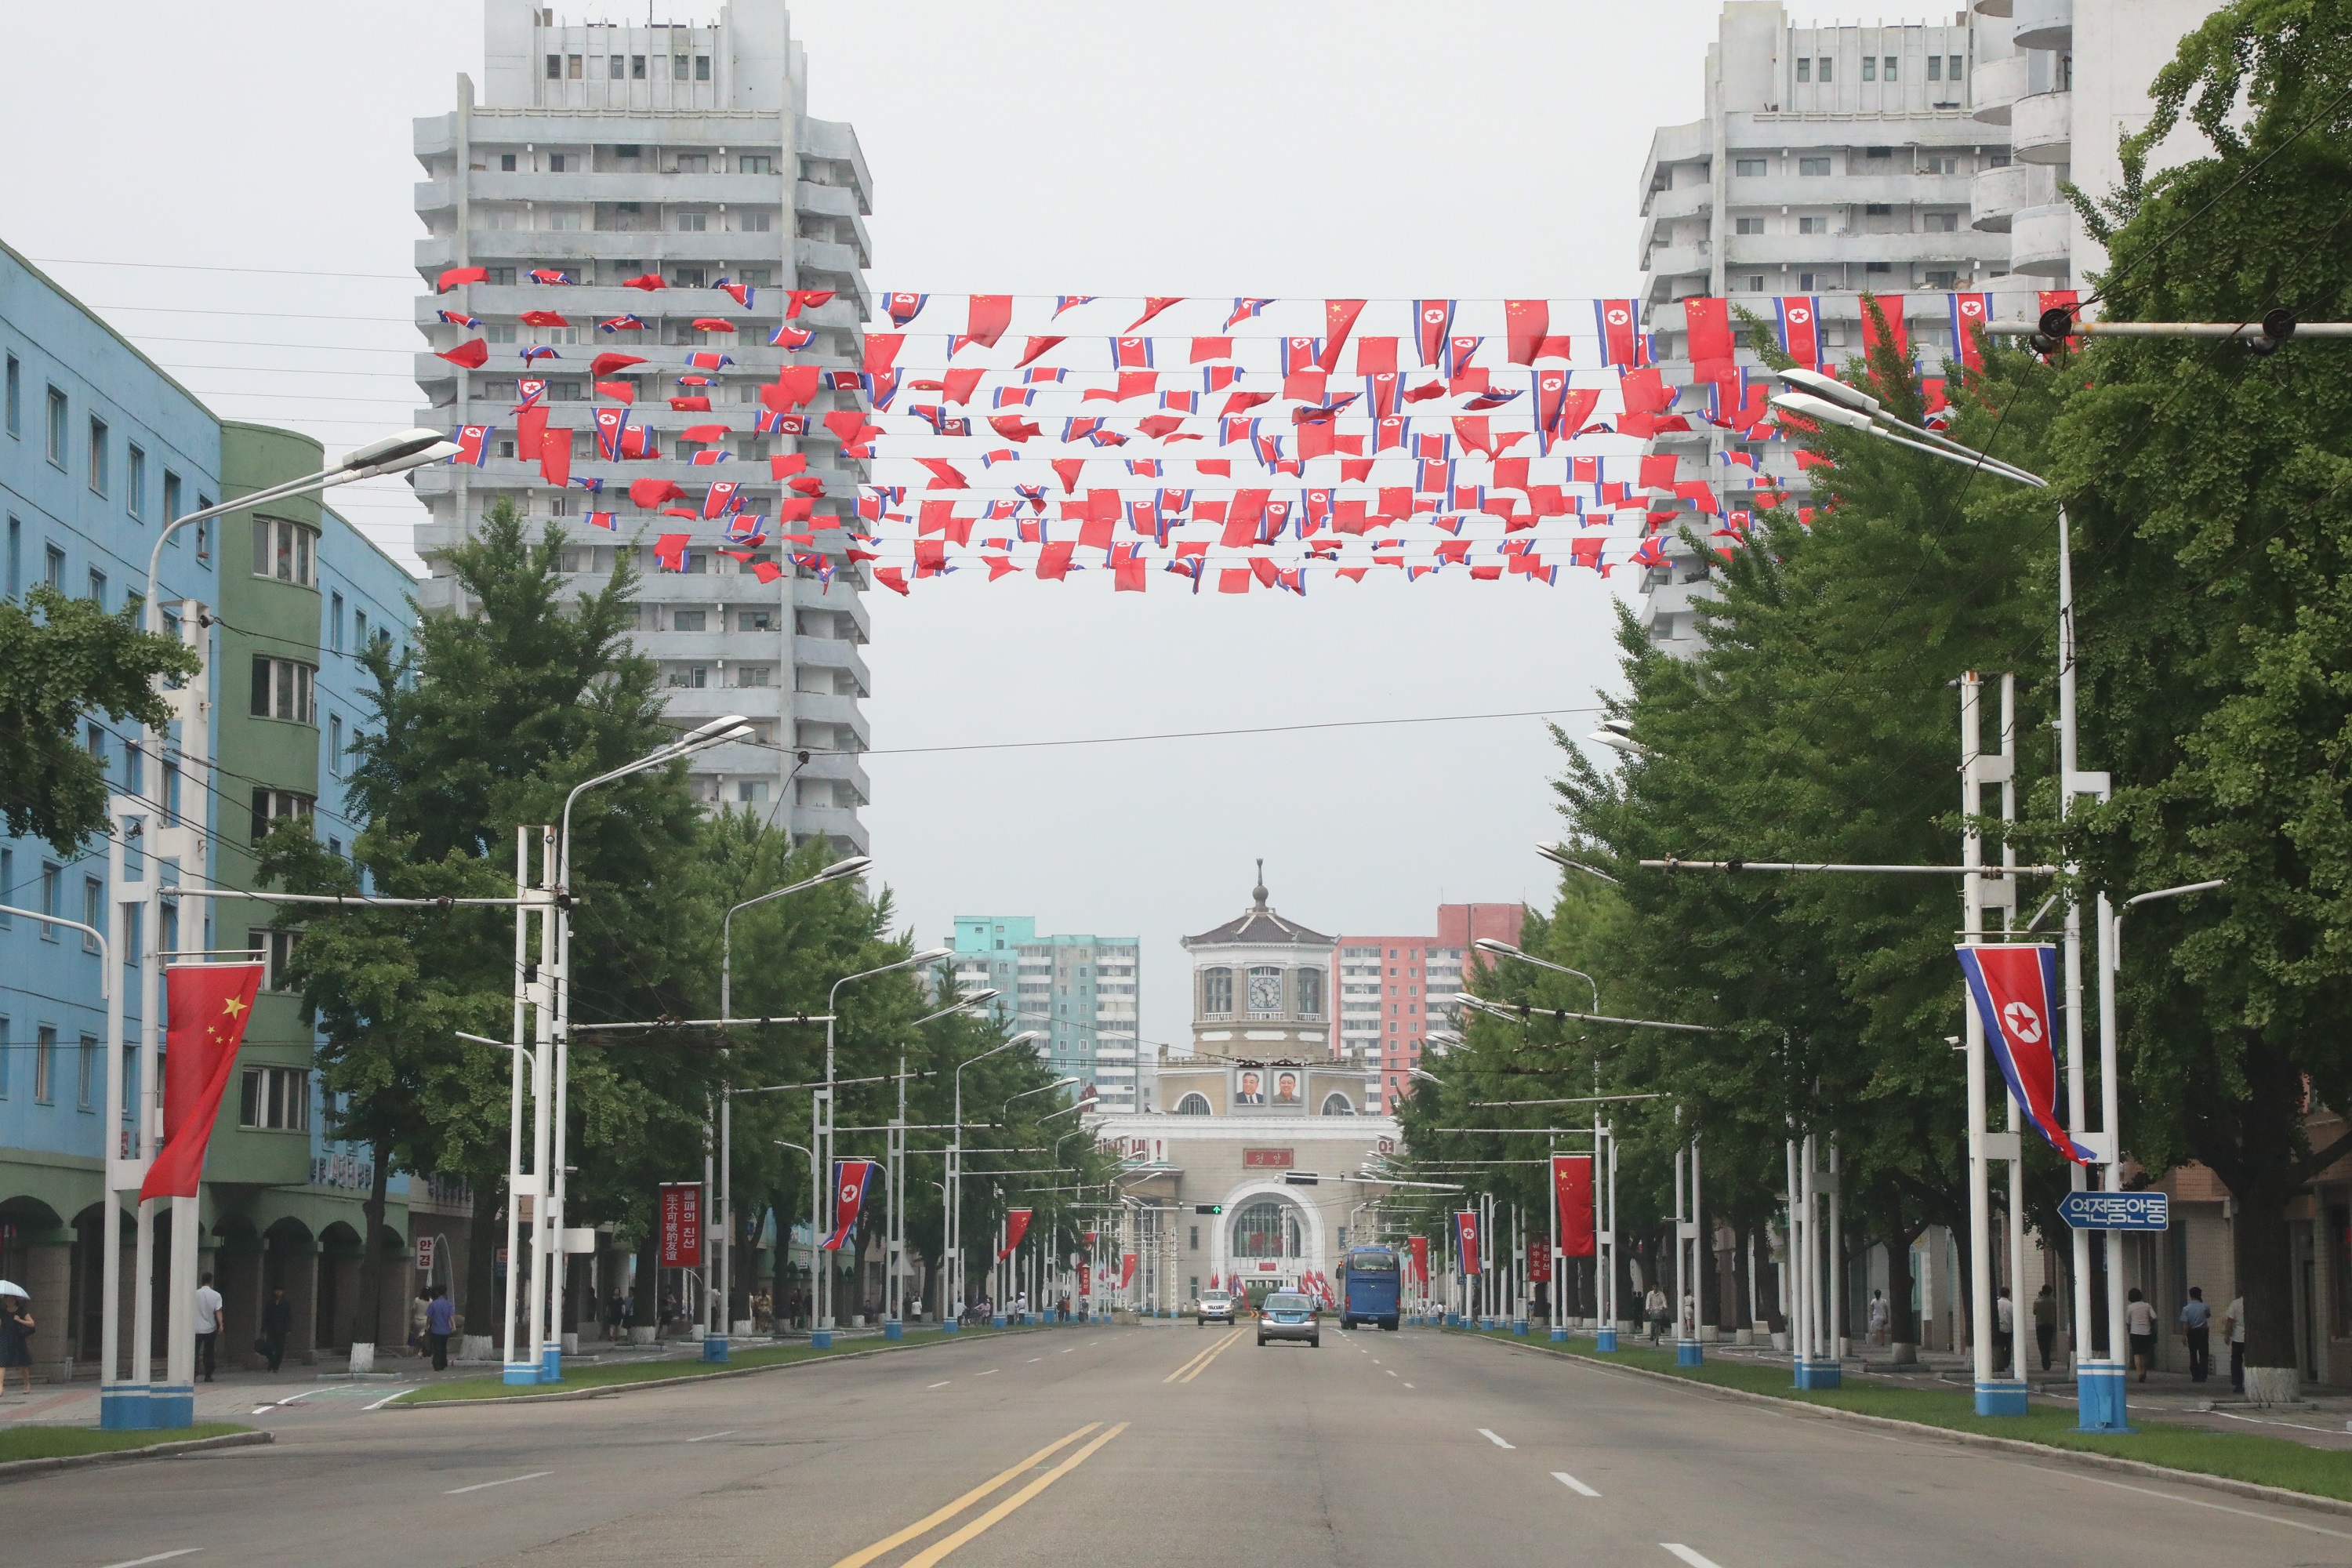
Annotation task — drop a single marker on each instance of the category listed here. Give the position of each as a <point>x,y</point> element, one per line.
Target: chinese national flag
<point>1572,1181</point>
<point>210,1005</point>
<point>1016,1226</point>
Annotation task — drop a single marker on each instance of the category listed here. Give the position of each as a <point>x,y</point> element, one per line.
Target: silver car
<point>1216,1306</point>
<point>1287,1315</point>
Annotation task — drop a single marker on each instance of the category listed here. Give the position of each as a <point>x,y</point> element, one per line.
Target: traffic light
<point>1208,1208</point>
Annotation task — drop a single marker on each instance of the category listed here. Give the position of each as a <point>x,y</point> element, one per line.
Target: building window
<point>335,621</point>
<point>274,1100</point>
<point>93,910</point>
<point>1870,67</point>
<point>286,550</point>
<point>1193,1105</point>
<point>53,883</point>
<point>1805,69</point>
<point>1952,70</point>
<point>1748,225</point>
<point>1878,267</point>
<point>1940,223</point>
<point>171,498</point>
<point>571,68</point>
<point>1310,992</point>
<point>1887,71</point>
<point>678,68</point>
<point>335,744</point>
<point>56,427</point>
<point>270,804</point>
<point>1814,224</point>
<point>101,474</point>
<point>702,68</point>
<point>1265,993</point>
<point>555,73</point>
<point>44,1048</point>
<point>134,480</point>
<point>276,950</point>
<point>1748,167</point>
<point>1934,67</point>
<point>1821,68</point>
<point>616,67</point>
<point>693,223</point>
<point>53,568</point>
<point>754,163</point>
<point>636,68</point>
<point>98,588</point>
<point>1216,992</point>
<point>1266,1228</point>
<point>8,1044</point>
<point>1813,168</point>
<point>1944,280</point>
<point>85,1075</point>
<point>285,688</point>
<point>16,396</point>
<point>557,163</point>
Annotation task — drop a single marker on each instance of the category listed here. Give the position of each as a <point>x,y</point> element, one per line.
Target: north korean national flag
<point>904,308</point>
<point>1970,314</point>
<point>1433,321</point>
<point>1800,317</point>
<point>850,1180</point>
<point>610,425</point>
<point>473,445</point>
<point>2016,989</point>
<point>1614,320</point>
<point>1465,1239</point>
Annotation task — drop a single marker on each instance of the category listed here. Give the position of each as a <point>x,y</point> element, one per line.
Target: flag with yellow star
<point>209,1006</point>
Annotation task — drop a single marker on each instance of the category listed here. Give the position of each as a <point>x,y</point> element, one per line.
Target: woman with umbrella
<point>16,1333</point>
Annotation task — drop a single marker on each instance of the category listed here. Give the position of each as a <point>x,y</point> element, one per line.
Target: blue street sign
<point>2116,1211</point>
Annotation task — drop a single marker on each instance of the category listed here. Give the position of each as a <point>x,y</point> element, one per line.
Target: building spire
<point>1258,892</point>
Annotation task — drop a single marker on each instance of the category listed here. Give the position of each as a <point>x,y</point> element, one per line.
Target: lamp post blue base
<point>1559,1336</point>
<point>894,1330</point>
<point>950,1327</point>
<point>998,1321</point>
<point>821,1339</point>
<point>1819,1373</point>
<point>520,1373</point>
<point>1605,1341</point>
<point>123,1409</point>
<point>1452,1320</point>
<point>551,1363</point>
<point>1519,1327</point>
<point>714,1347</point>
<point>171,1406</point>
<point>2100,1385</point>
<point>2001,1398</point>
<point>1688,1352</point>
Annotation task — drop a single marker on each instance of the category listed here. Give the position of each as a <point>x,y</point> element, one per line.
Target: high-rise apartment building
<point>1831,162</point>
<point>1393,990</point>
<point>2071,81</point>
<point>607,183</point>
<point>1081,991</point>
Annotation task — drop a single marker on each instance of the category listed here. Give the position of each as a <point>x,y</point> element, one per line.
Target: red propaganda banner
<point>1538,1260</point>
<point>1421,1260</point>
<point>1016,1226</point>
<point>1465,1237</point>
<point>1126,1270</point>
<point>681,1225</point>
<point>1572,1185</point>
<point>1269,1158</point>
<point>210,1005</point>
<point>1085,1279</point>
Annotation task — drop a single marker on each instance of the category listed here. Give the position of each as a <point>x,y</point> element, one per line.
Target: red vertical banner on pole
<point>1465,1239</point>
<point>1086,1279</point>
<point>1126,1261</point>
<point>1016,1226</point>
<point>681,1225</point>
<point>1571,1185</point>
<point>1421,1261</point>
<point>210,1005</point>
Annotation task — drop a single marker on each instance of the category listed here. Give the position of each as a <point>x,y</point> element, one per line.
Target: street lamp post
<point>784,1236</point>
<point>717,1327</point>
<point>181,840</point>
<point>951,1318</point>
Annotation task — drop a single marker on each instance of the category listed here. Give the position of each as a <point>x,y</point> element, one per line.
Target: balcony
<point>1679,260</point>
<point>1682,202</point>
<point>837,823</point>
<point>825,707</point>
<point>1997,195</point>
<point>1773,191</point>
<point>2044,25</point>
<point>832,653</point>
<point>1817,250</point>
<point>1994,8</point>
<point>2042,128</point>
<point>2000,84</point>
<point>2041,241</point>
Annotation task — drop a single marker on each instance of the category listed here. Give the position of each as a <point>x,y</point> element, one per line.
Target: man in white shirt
<point>208,1315</point>
<point>2233,1329</point>
<point>2004,1332</point>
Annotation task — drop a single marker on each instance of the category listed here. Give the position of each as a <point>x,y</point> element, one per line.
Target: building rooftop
<point>1258,926</point>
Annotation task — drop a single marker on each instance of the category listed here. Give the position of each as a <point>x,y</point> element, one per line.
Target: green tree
<point>2210,489</point>
<point>61,659</point>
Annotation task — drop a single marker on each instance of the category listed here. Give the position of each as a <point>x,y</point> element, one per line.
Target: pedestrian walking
<point>616,1315</point>
<point>420,1306</point>
<point>276,1327</point>
<point>208,1317</point>
<point>1654,1309</point>
<point>2004,1333</point>
<point>440,1322</point>
<point>2045,1323</point>
<point>16,1333</point>
<point>2140,1321</point>
<point>1877,1318</point>
<point>2233,1329</point>
<point>2197,1328</point>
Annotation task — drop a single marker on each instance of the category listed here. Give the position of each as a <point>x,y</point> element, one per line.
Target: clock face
<point>1265,990</point>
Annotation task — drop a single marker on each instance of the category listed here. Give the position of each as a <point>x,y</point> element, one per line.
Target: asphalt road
<point>1143,1445</point>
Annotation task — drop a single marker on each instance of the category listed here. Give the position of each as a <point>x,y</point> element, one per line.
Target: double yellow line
<point>938,1551</point>
<point>1200,1364</point>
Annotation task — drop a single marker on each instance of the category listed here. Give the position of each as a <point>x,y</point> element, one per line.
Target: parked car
<point>1214,1306</point>
<point>1287,1315</point>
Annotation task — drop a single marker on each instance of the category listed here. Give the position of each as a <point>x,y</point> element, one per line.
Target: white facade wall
<point>610,151</point>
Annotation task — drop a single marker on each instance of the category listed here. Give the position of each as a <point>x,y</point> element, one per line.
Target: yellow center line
<point>1202,1357</point>
<point>933,1521</point>
<point>931,1556</point>
<point>1223,1345</point>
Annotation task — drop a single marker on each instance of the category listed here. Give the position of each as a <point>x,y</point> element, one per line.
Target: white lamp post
<point>952,1229</point>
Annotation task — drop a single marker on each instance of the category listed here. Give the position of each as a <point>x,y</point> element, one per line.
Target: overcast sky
<point>257,159</point>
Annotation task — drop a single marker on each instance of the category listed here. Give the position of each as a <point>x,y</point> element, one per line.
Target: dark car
<point>1287,1315</point>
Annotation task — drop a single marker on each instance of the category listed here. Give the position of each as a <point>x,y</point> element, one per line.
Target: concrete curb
<point>15,1469</point>
<point>1974,1439</point>
<point>615,1388</point>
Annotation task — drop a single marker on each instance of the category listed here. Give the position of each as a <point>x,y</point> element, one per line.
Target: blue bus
<point>1371,1280</point>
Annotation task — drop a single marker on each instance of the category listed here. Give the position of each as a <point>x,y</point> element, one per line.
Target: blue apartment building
<point>1079,991</point>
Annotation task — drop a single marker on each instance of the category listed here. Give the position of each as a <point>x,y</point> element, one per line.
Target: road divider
<point>938,1517</point>
<point>1200,1364</point>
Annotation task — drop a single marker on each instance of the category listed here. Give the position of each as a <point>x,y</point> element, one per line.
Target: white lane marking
<point>1391,1371</point>
<point>276,1403</point>
<point>2217,1508</point>
<point>1572,1484</point>
<point>1034,1360</point>
<point>1408,1385</point>
<point>159,1557</point>
<point>485,1486</point>
<point>1375,1361</point>
<point>381,1403</point>
<point>942,1383</point>
<point>1068,1349</point>
<point>992,1372</point>
<point>1688,1555</point>
<point>1492,1439</point>
<point>708,1436</point>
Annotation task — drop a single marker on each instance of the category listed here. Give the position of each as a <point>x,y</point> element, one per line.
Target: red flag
<point>1619,342</point>
<point>651,493</point>
<point>1153,306</point>
<point>1339,320</point>
<point>1891,307</point>
<point>604,364</point>
<point>555,457</point>
<point>648,281</point>
<point>211,1003</point>
<point>1571,1181</point>
<point>851,1178</point>
<point>1525,323</point>
<point>798,299</point>
<point>1465,1235</point>
<point>1421,1260</point>
<point>457,274</point>
<point>1016,1226</point>
<point>473,353</point>
<point>1433,320</point>
<point>619,391</point>
<point>986,317</point>
<point>1036,347</point>
<point>945,476</point>
<point>892,578</point>
<point>669,549</point>
<point>529,425</point>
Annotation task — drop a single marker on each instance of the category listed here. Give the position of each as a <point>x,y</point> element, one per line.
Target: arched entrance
<point>1268,1241</point>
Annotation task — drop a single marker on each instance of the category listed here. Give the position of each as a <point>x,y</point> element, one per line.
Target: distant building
<point>1394,989</point>
<point>1080,990</point>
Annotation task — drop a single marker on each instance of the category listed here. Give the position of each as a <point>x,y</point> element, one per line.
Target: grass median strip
<point>71,1442</point>
<point>2234,1455</point>
<point>577,1376</point>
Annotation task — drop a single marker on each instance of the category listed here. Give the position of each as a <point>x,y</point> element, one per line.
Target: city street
<point>1153,1445</point>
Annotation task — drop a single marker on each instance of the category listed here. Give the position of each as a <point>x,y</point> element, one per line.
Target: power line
<point>259,271</point>
<point>1181,734</point>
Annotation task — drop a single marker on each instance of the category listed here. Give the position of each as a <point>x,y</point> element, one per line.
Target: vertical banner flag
<point>1466,1237</point>
<point>1571,1185</point>
<point>210,1005</point>
<point>1421,1260</point>
<point>1086,1280</point>
<point>850,1180</point>
<point>1799,322</point>
<point>1016,1226</point>
<point>2016,989</point>
<point>1126,1270</point>
<point>681,1225</point>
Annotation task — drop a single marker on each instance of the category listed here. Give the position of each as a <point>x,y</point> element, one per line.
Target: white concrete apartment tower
<point>599,153</point>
